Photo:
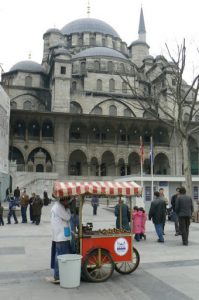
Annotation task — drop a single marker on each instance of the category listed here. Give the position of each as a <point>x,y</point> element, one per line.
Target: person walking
<point>60,221</point>
<point>37,205</point>
<point>174,215</point>
<point>157,214</point>
<point>184,210</point>
<point>162,196</point>
<point>95,204</point>
<point>17,193</point>
<point>122,215</point>
<point>13,203</point>
<point>31,207</point>
<point>45,198</point>
<point>1,215</point>
<point>24,201</point>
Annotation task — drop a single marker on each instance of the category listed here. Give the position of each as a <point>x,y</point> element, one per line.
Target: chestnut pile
<point>112,231</point>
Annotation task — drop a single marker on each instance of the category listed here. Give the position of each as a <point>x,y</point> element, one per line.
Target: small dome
<point>89,25</point>
<point>52,30</point>
<point>139,42</point>
<point>148,57</point>
<point>99,51</point>
<point>28,66</point>
<point>61,50</point>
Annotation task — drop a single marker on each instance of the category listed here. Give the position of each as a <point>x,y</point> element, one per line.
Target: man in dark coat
<point>36,209</point>
<point>157,213</point>
<point>184,210</point>
<point>122,215</point>
<point>174,215</point>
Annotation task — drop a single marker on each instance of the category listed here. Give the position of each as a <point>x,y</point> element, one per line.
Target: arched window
<point>75,108</point>
<point>122,69</point>
<point>111,85</point>
<point>110,66</point>
<point>127,112</point>
<point>92,41</point>
<point>80,40</point>
<point>112,110</point>
<point>97,66</point>
<point>83,67</point>
<point>124,87</point>
<point>97,110</point>
<point>114,45</point>
<point>104,42</point>
<point>74,86</point>
<point>33,129</point>
<point>47,129</point>
<point>99,85</point>
<point>27,105</point>
<point>28,81</point>
<point>19,129</point>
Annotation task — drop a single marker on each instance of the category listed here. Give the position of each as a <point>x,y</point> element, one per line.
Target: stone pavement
<point>166,271</point>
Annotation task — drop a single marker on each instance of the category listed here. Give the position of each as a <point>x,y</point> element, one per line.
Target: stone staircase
<point>34,182</point>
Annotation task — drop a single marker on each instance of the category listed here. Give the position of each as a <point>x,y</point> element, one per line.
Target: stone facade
<point>75,116</point>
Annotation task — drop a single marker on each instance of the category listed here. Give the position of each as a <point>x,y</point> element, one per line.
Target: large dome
<point>99,51</point>
<point>28,66</point>
<point>89,25</point>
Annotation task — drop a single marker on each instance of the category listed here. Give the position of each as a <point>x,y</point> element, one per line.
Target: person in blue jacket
<point>13,203</point>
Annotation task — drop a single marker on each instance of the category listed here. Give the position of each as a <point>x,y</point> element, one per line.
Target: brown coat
<point>24,200</point>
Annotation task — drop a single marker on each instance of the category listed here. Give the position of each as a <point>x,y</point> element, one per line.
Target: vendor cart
<point>104,250</point>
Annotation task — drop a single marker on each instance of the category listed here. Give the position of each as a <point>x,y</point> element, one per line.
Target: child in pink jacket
<point>137,223</point>
<point>143,223</point>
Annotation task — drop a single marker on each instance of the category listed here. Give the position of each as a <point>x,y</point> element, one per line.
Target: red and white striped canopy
<point>111,188</point>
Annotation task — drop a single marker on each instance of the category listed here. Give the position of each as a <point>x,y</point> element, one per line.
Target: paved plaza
<point>166,271</point>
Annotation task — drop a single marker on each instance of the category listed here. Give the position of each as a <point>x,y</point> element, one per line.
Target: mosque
<point>74,117</point>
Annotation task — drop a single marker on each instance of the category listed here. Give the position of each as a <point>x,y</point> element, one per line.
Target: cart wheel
<point>128,267</point>
<point>98,266</point>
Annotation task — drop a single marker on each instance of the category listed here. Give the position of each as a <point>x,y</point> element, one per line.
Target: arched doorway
<point>78,164</point>
<point>161,164</point>
<point>108,164</point>
<point>39,160</point>
<point>134,163</point>
<point>39,168</point>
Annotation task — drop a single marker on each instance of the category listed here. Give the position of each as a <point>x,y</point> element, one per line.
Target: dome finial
<point>88,9</point>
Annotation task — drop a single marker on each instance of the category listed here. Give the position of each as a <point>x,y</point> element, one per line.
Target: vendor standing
<point>122,215</point>
<point>60,221</point>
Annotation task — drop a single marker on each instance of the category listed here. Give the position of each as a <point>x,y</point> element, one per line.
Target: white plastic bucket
<point>69,270</point>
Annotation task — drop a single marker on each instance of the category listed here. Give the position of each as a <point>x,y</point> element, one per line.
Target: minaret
<point>139,49</point>
<point>141,29</point>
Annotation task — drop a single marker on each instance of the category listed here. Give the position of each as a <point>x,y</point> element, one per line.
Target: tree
<point>168,98</point>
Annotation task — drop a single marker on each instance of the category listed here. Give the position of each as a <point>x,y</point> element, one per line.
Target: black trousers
<point>1,220</point>
<point>184,223</point>
<point>10,214</point>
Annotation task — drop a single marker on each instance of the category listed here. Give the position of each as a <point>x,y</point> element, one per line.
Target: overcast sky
<point>23,23</point>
